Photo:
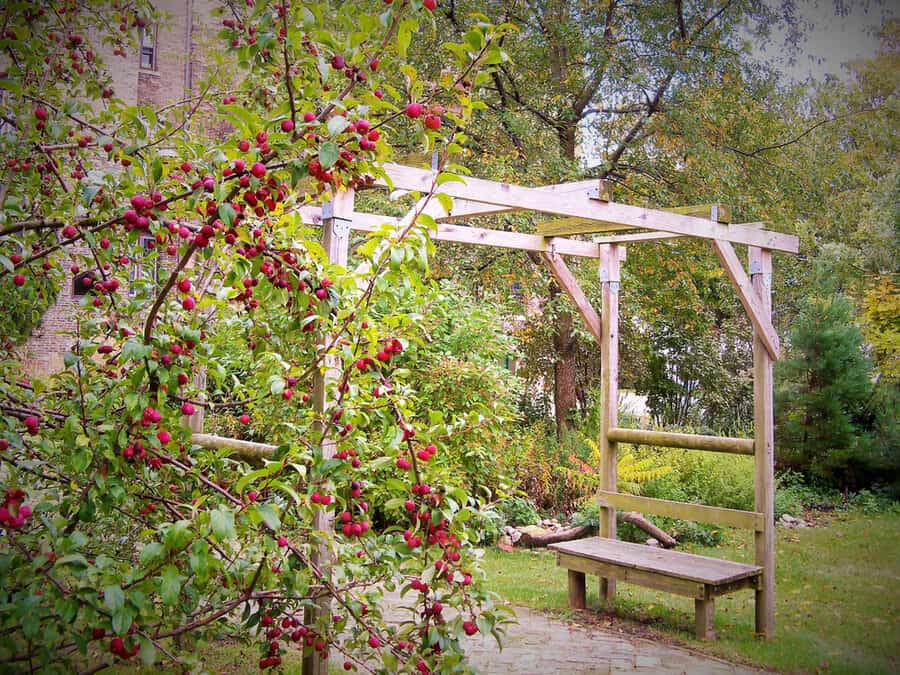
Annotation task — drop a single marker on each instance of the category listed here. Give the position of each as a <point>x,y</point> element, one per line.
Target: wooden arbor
<point>584,209</point>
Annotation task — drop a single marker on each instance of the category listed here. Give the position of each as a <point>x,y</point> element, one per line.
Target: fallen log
<point>664,538</point>
<point>565,534</point>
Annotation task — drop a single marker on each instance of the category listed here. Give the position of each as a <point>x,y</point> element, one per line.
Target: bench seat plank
<point>676,564</point>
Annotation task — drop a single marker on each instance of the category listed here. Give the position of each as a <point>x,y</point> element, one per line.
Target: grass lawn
<point>837,589</point>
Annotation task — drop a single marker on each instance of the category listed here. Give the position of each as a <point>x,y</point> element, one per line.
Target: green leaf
<point>114,598</point>
<point>269,516</point>
<point>7,263</point>
<point>73,559</point>
<point>447,177</point>
<point>81,459</point>
<point>227,214</point>
<point>170,585</point>
<point>178,535</point>
<point>222,524</point>
<point>152,552</point>
<point>446,201</point>
<point>121,621</point>
<point>328,154</point>
<point>147,652</point>
<point>88,193</point>
<point>404,35</point>
<point>156,170</point>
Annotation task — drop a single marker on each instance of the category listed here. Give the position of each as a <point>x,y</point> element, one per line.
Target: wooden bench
<point>694,576</point>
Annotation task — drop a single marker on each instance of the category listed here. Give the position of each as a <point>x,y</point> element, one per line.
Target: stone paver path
<point>542,645</point>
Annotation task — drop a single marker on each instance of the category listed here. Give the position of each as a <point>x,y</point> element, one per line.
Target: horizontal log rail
<point>668,439</point>
<point>247,450</point>
<point>747,520</point>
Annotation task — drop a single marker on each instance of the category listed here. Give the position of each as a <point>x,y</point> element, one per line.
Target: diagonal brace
<point>569,283</point>
<point>762,324</point>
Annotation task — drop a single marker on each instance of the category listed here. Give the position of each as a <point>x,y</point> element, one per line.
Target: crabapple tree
<point>121,539</point>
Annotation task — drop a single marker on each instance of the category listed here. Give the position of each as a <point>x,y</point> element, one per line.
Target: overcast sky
<point>834,37</point>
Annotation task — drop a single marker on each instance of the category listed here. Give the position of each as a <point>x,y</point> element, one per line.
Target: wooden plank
<point>583,206</point>
<point>762,324</point>
<point>652,236</point>
<point>636,237</point>
<point>614,572</point>
<point>244,449</point>
<point>764,426</point>
<point>720,213</point>
<point>577,590</point>
<point>705,618</point>
<point>463,208</point>
<point>462,234</point>
<point>569,283</point>
<point>676,564</point>
<point>668,439</point>
<point>609,392</point>
<point>573,225</point>
<point>747,520</point>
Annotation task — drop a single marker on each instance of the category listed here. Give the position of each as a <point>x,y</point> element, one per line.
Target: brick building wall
<point>177,67</point>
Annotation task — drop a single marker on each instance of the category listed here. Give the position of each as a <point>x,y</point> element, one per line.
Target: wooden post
<point>195,422</point>
<point>705,618</point>
<point>577,590</point>
<point>609,393</point>
<point>764,434</point>
<point>336,217</point>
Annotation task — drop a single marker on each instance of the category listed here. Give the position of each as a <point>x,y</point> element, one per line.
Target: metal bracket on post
<point>599,193</point>
<point>756,267</point>
<point>340,227</point>
<point>714,213</point>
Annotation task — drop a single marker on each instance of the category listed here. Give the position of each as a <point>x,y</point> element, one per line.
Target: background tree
<point>826,424</point>
<point>610,90</point>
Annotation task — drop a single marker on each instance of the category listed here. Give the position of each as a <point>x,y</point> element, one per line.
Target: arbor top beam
<point>582,203</point>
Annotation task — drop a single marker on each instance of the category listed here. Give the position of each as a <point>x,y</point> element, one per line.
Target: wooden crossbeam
<point>468,208</point>
<point>462,234</point>
<point>762,324</point>
<point>637,237</point>
<point>747,520</point>
<point>561,227</point>
<point>582,206</point>
<point>720,213</point>
<point>569,283</point>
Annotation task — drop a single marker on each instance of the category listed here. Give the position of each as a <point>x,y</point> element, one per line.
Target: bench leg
<point>607,590</point>
<point>577,590</point>
<point>705,618</point>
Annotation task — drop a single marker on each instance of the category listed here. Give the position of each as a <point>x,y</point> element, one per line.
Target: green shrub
<point>714,479</point>
<point>519,511</point>
<point>486,525</point>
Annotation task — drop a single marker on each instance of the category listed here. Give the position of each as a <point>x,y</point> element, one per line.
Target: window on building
<point>148,47</point>
<point>144,267</point>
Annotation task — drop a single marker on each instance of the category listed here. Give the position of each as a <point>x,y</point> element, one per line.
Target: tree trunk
<point>564,369</point>
<point>636,519</point>
<point>565,398</point>
<point>565,534</point>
